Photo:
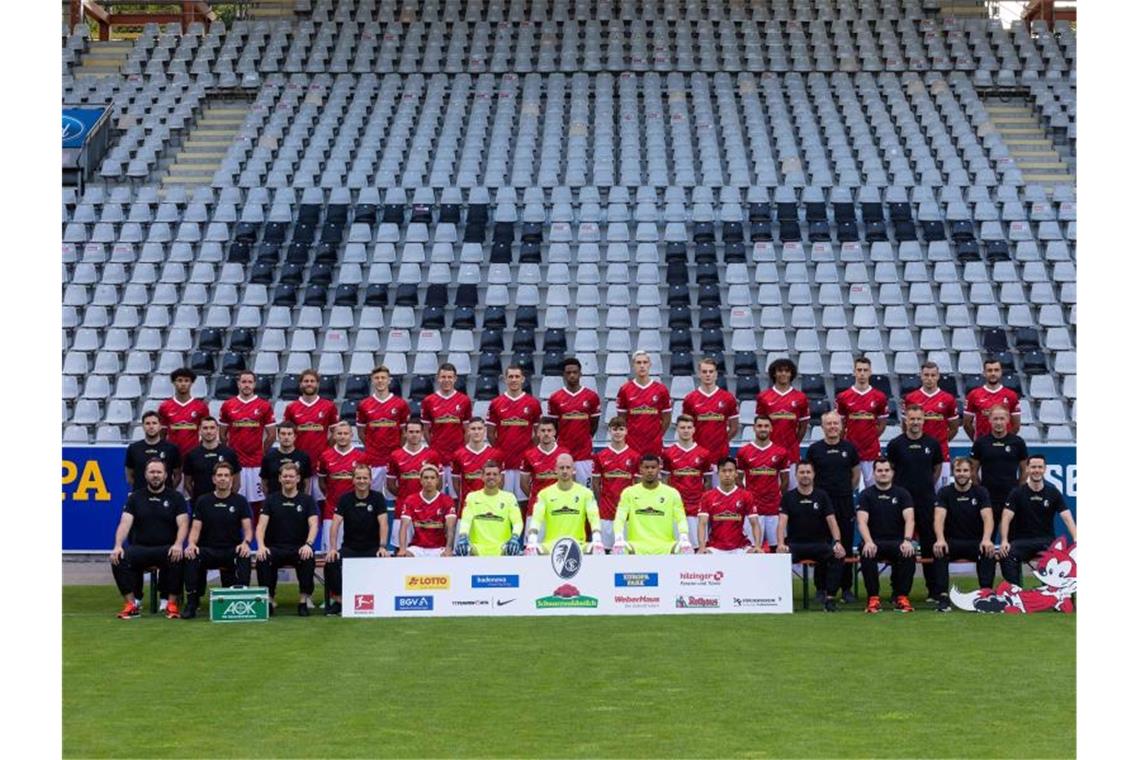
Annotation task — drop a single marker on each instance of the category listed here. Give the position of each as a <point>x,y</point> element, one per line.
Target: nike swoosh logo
<point>499,603</point>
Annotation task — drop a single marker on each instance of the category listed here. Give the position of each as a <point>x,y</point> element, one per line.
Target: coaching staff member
<point>917,459</point>
<point>285,451</point>
<point>808,530</point>
<point>199,463</point>
<point>152,446</point>
<point>886,523</point>
<point>362,514</point>
<point>1027,525</point>
<point>837,473</point>
<point>1001,457</point>
<point>963,529</point>
<point>220,532</point>
<point>286,531</point>
<point>155,519</point>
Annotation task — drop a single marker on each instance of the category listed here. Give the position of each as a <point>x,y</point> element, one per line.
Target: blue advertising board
<point>95,488</point>
<point>78,123</point>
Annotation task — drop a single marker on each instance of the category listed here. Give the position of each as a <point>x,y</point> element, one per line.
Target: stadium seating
<point>488,181</point>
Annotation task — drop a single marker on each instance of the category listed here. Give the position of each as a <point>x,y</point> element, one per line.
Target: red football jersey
<point>861,413</point>
<point>727,511</point>
<point>380,422</point>
<point>313,422</point>
<point>712,413</point>
<point>514,420</point>
<point>429,529</point>
<point>446,417</point>
<point>617,471</point>
<point>939,408</point>
<point>762,468</point>
<point>466,465</point>
<point>575,412</point>
<point>786,411</point>
<point>981,401</point>
<point>337,469</point>
<point>642,409</point>
<point>247,421</point>
<point>405,466</point>
<point>181,422</point>
<point>539,465</point>
<point>688,473</point>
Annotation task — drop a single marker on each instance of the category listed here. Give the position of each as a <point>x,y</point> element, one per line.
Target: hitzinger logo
<point>702,579</point>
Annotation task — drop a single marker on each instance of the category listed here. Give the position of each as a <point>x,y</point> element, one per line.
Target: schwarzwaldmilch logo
<point>565,595</point>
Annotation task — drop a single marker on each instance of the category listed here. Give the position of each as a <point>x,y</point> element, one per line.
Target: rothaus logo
<point>566,558</point>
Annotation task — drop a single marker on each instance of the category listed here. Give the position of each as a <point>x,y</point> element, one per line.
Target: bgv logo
<point>414,603</point>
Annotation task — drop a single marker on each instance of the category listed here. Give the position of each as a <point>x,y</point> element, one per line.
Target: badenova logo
<point>494,581</point>
<point>427,582</point>
<point>415,603</point>
<point>640,580</point>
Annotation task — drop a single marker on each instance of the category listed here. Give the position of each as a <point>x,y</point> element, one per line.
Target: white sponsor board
<point>567,583</point>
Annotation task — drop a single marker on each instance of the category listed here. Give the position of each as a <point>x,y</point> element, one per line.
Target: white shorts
<point>868,469</point>
<point>380,481</point>
<point>447,486</point>
<point>394,532</point>
<point>326,526</point>
<point>768,528</point>
<point>419,551</point>
<point>315,489</point>
<point>693,535</point>
<point>583,471</point>
<point>725,551</point>
<point>512,483</point>
<point>607,531</point>
<point>946,478</point>
<point>249,484</point>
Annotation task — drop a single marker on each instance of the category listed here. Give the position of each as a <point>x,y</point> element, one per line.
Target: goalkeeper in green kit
<point>492,523</point>
<point>563,510</point>
<point>651,516</point>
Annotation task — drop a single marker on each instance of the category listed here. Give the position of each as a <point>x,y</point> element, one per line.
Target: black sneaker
<point>333,609</point>
<point>191,609</point>
<point>272,608</point>
<point>944,605</point>
<point>302,610</point>
<point>829,605</point>
<point>848,597</point>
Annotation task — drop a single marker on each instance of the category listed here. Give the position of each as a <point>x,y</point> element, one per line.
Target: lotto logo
<point>426,582</point>
<point>364,603</point>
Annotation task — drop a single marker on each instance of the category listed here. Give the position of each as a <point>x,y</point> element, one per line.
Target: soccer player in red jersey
<point>539,470</point>
<point>428,523</point>
<point>181,414</point>
<point>578,410</point>
<point>249,428</point>
<point>511,418</point>
<point>467,465</point>
<point>380,418</point>
<point>863,410</point>
<point>714,411</point>
<point>334,470</point>
<point>764,467</point>
<point>941,411</point>
<point>982,400</point>
<point>645,404</point>
<point>786,407</point>
<point>445,414</point>
<point>615,467</point>
<point>314,417</point>
<point>404,469</point>
<point>727,513</point>
<point>688,465</point>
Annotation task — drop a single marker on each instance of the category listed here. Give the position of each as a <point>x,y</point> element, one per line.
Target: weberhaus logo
<point>640,600</point>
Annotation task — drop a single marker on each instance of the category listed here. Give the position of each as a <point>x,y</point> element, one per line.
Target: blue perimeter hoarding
<point>95,488</point>
<point>78,123</point>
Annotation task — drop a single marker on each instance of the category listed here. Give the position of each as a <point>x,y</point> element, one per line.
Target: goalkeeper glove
<point>531,545</point>
<point>513,547</point>
<point>620,546</point>
<point>462,546</point>
<point>683,546</point>
<point>597,547</point>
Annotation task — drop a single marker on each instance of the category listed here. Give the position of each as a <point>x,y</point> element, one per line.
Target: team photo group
<point>246,490</point>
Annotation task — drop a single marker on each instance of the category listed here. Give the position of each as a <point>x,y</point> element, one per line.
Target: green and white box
<point>239,604</point>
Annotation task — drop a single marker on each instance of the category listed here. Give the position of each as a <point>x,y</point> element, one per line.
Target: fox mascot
<point>1057,572</point>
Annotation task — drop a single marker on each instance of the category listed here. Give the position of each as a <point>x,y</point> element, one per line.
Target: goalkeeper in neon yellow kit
<point>649,513</point>
<point>563,510</point>
<point>492,522</point>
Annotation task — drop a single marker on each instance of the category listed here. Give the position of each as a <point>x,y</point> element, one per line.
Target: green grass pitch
<point>805,685</point>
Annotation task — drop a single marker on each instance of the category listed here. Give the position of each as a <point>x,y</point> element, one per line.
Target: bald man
<point>565,510</point>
